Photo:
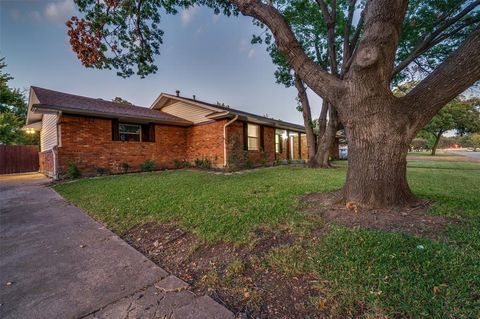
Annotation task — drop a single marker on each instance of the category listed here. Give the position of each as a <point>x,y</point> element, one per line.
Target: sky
<point>202,54</point>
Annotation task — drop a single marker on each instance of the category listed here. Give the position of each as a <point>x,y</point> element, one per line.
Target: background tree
<point>475,141</point>
<point>461,115</point>
<point>419,144</point>
<point>471,141</point>
<point>118,99</point>
<point>379,126</point>
<point>13,112</point>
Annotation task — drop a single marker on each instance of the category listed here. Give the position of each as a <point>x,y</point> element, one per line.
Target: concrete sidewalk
<point>57,262</point>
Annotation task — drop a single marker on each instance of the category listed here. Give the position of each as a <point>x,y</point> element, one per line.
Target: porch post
<point>288,145</point>
<point>299,145</point>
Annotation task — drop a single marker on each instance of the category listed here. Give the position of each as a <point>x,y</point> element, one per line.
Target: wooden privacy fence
<point>18,159</point>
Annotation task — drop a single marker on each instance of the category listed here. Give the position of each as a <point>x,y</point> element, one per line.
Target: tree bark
<point>307,118</point>
<point>325,141</point>
<point>377,160</point>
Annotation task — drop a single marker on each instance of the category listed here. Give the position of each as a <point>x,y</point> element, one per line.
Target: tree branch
<point>322,83</point>
<point>376,50</point>
<point>346,33</point>
<point>330,19</point>
<point>307,116</point>
<point>430,40</point>
<point>456,74</point>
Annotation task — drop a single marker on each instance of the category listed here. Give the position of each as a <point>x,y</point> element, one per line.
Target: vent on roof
<point>194,98</point>
<point>177,92</point>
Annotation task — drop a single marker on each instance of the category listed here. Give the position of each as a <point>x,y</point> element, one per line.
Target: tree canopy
<point>13,112</point>
<point>118,99</point>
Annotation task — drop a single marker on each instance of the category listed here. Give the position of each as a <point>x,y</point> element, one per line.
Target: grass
<point>215,207</point>
<point>439,153</point>
<point>363,273</point>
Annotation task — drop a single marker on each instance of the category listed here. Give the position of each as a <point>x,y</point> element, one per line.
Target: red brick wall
<point>206,141</point>
<point>235,146</point>
<point>304,148</point>
<point>88,143</point>
<point>45,162</point>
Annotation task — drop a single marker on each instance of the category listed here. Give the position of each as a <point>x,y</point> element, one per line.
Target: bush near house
<point>73,171</point>
<point>148,166</point>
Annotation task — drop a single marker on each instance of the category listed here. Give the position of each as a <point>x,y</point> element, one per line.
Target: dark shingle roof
<point>85,105</point>
<point>239,112</point>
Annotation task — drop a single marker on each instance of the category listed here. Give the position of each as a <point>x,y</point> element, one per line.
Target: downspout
<point>55,149</point>
<point>225,139</point>
<point>54,152</point>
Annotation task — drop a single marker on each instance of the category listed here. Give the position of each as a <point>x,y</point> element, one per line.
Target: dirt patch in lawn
<point>235,276</point>
<point>414,221</point>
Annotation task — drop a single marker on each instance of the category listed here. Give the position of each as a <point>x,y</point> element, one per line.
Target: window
<point>278,143</point>
<point>280,136</point>
<point>130,132</point>
<point>253,137</point>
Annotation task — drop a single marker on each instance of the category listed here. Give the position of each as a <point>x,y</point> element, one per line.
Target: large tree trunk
<point>377,161</point>
<point>378,142</point>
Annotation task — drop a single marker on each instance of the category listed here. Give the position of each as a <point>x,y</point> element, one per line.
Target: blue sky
<point>203,54</point>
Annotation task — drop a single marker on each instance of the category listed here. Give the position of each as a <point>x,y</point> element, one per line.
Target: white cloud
<point>251,53</point>
<point>59,11</point>
<point>186,16</point>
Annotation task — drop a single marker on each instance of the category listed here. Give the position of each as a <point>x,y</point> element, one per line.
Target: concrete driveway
<point>57,262</point>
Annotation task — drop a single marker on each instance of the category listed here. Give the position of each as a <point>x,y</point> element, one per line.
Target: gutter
<point>225,139</point>
<point>44,108</point>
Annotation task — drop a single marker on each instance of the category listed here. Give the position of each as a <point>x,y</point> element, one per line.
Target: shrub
<point>124,167</point>
<point>73,171</point>
<point>263,157</point>
<point>147,166</point>
<point>203,163</point>
<point>235,159</point>
<point>177,163</point>
<point>187,164</point>
<point>103,171</point>
<point>248,164</point>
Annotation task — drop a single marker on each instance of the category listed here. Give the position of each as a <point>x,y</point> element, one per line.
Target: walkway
<point>57,262</point>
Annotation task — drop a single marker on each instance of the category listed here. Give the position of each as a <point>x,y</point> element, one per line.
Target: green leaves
<point>13,112</point>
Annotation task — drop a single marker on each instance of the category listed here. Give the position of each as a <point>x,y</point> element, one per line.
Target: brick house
<point>98,135</point>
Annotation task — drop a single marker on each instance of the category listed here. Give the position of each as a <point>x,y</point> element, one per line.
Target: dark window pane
<point>129,128</point>
<point>129,137</point>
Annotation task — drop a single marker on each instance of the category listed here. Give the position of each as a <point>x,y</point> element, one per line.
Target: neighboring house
<point>96,135</point>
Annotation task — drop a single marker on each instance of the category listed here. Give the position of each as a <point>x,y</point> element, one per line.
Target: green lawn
<point>439,153</point>
<point>362,272</point>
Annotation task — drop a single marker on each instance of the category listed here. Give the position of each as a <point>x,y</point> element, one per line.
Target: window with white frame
<point>130,132</point>
<point>253,137</point>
